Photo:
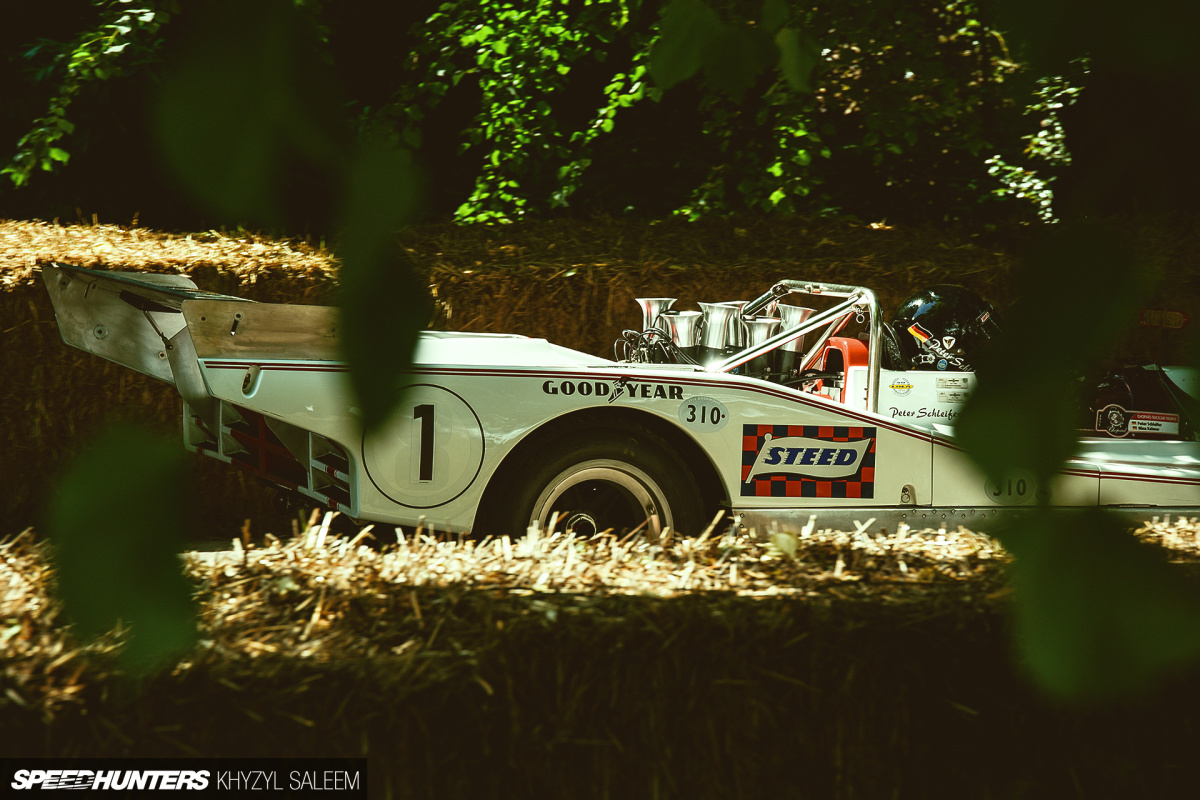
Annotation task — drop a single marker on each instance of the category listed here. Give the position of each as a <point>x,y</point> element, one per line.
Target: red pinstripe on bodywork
<point>811,401</point>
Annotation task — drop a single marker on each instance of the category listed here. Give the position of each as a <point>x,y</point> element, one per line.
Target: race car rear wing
<point>134,319</point>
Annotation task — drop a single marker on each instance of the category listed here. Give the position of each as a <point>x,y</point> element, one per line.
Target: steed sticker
<point>808,461</point>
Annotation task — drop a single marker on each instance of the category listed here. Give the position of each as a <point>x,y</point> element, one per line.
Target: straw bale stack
<point>839,665</point>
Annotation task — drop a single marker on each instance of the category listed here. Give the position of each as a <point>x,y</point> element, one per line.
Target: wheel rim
<point>597,495</point>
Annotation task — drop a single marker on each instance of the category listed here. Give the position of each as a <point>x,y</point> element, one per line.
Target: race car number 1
<point>703,414</point>
<point>428,452</point>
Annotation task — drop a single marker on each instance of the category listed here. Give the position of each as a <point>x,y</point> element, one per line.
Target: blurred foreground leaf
<point>735,56</point>
<point>798,58</point>
<point>116,523</point>
<point>687,26</point>
<point>1098,613</point>
<point>731,55</point>
<point>1079,290</point>
<point>383,303</point>
<point>246,106</point>
<point>247,110</point>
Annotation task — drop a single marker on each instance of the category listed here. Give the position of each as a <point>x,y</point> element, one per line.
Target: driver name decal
<point>808,461</point>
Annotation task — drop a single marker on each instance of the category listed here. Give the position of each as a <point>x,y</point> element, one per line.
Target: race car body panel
<point>265,390</point>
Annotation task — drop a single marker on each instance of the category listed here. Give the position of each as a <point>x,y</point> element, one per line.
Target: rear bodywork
<point>265,390</point>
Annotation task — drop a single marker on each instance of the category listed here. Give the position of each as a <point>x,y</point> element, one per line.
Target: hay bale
<point>592,668</point>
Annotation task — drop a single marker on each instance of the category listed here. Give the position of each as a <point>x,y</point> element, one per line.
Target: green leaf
<point>998,425</point>
<point>687,26</point>
<point>774,14</point>
<point>734,58</point>
<point>798,58</point>
<point>58,154</point>
<point>383,303</point>
<point>1098,613</point>
<point>116,522</point>
<point>234,127</point>
<point>411,136</point>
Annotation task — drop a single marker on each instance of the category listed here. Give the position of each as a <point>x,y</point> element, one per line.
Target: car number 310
<point>703,414</point>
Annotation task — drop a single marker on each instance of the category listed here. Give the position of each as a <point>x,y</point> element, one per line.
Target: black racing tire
<point>600,478</point>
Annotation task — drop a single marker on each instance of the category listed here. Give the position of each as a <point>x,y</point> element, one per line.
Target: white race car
<point>802,402</point>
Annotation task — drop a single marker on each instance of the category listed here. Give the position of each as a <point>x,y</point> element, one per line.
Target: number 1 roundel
<point>428,452</point>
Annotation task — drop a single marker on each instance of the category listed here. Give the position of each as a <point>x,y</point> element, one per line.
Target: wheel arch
<point>541,438</point>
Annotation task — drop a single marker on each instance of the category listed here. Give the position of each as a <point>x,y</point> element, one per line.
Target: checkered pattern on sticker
<point>859,485</point>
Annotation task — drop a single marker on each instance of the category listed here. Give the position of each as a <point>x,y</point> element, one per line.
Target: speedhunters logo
<point>114,779</point>
<point>808,461</point>
<point>327,778</point>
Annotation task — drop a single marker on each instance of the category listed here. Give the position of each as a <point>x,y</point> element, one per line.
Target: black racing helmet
<point>944,327</point>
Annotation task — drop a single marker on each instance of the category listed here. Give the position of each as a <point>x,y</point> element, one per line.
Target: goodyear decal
<point>626,387</point>
<point>808,461</point>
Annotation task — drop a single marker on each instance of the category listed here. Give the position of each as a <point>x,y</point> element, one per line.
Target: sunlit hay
<point>326,598</point>
<point>1178,534</point>
<point>719,665</point>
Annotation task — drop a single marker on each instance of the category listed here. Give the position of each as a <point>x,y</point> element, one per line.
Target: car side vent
<point>277,452</point>
<point>329,468</point>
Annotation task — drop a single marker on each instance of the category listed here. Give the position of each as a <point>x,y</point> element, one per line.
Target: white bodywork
<point>264,390</point>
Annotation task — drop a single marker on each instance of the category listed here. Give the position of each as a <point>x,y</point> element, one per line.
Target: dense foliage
<point>896,109</point>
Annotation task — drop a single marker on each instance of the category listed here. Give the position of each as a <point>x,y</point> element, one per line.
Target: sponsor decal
<point>940,350</point>
<point>808,461</point>
<point>1118,422</point>
<point>581,388</point>
<point>634,390</point>
<point>952,396</point>
<point>953,382</point>
<point>901,387</point>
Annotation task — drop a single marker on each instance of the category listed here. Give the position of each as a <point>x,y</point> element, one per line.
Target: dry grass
<point>326,598</point>
<point>550,666</point>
